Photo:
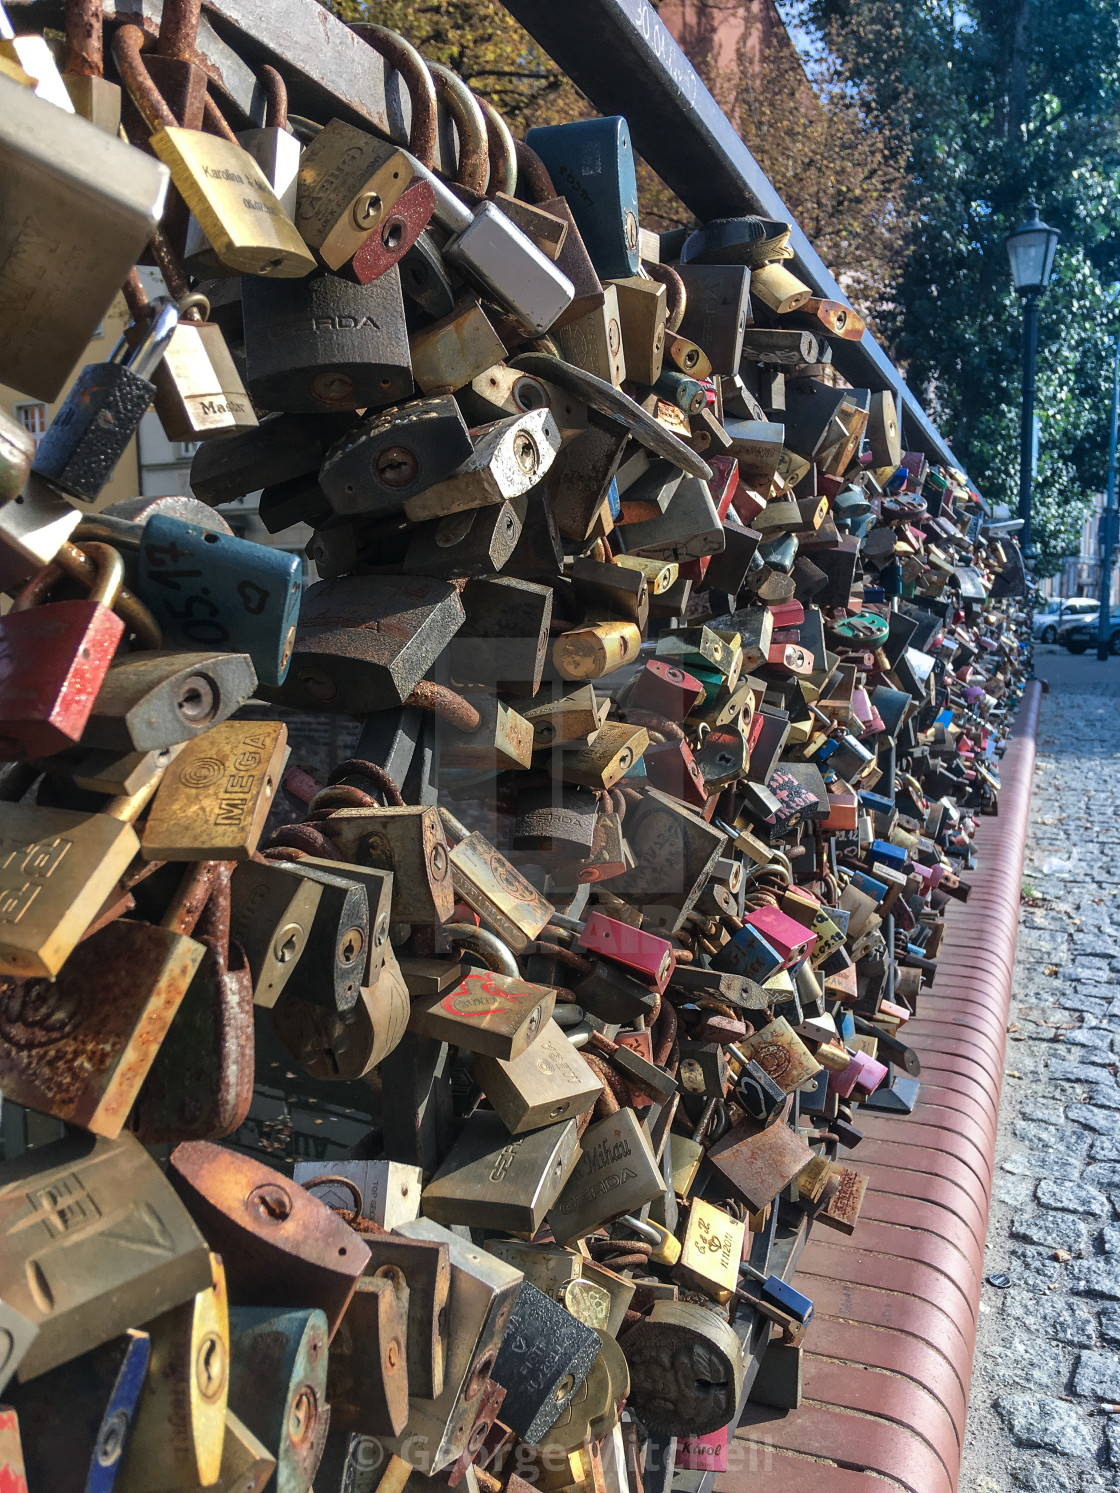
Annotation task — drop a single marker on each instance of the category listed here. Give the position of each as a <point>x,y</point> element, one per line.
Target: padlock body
<point>53,659</point>
<point>324,344</point>
<point>90,433</point>
<point>214,590</point>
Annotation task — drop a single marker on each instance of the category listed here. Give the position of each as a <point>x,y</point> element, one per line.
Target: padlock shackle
<point>85,46</point>
<point>456,826</point>
<point>502,151</point>
<point>675,293</point>
<point>408,62</point>
<point>178,29</point>
<point>129,608</point>
<point>276,98</point>
<point>534,173</point>
<point>128,44</point>
<point>110,572</point>
<point>215,122</point>
<point>146,358</point>
<point>472,167</point>
<point>489,948</point>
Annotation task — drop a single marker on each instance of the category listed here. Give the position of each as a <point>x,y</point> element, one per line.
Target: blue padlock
<point>781,1294</point>
<point>876,803</point>
<point>869,885</point>
<point>211,590</point>
<point>890,855</point>
<point>748,953</point>
<point>591,162</point>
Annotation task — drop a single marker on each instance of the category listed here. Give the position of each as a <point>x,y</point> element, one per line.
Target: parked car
<point>1049,621</point>
<point>1082,634</point>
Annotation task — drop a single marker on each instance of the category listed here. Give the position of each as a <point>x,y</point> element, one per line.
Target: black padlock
<point>555,821</point>
<point>474,543</point>
<point>394,455</point>
<point>545,1356</point>
<point>758,1094</point>
<point>323,344</point>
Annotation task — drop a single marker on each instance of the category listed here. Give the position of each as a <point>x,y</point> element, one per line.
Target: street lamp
<point>1031,249</point>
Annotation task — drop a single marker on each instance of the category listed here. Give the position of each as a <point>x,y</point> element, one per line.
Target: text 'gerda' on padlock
<point>492,1180</point>
<point>102,413</point>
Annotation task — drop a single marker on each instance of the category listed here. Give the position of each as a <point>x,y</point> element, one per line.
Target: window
<point>33,418</point>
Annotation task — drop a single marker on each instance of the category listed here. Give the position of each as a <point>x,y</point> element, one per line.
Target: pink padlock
<point>791,939</point>
<point>648,956</point>
<point>703,1453</point>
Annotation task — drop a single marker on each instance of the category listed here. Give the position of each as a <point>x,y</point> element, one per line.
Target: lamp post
<point>1031,249</point>
<point>1108,521</point>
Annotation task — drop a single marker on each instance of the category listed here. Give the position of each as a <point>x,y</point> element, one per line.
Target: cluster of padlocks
<point>673,686</point>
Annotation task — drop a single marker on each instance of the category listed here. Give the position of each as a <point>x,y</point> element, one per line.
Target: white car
<point>1059,614</point>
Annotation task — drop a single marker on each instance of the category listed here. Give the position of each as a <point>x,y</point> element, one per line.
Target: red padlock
<point>54,657</point>
<point>666,690</point>
<point>391,240</point>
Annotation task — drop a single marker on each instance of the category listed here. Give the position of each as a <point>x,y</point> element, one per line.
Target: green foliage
<point>1001,100</point>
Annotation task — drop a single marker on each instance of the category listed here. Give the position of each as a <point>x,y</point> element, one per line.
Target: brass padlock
<point>333,1044</point>
<point>495,1015</point>
<point>493,1180</point>
<point>686,1369</point>
<point>98,1220</point>
<point>617,1173</point>
<point>180,1421</point>
<point>367,1376</point>
<point>711,1250</point>
<point>426,1266</point>
<point>348,181</point>
<point>407,841</point>
<point>494,888</point>
<point>549,1082</point>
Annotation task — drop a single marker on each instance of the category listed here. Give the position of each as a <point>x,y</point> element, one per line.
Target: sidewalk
<point>1048,1354</point>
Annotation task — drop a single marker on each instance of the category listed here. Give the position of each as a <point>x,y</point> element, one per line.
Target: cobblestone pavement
<point>1045,1411</point>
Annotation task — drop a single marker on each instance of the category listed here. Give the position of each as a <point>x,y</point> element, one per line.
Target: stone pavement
<point>1045,1411</point>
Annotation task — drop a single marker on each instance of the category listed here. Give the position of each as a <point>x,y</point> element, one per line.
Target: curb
<point>888,1358</point>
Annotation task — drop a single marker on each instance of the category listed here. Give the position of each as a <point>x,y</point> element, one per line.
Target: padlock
<point>271,916</point>
<point>347,186</point>
<point>102,412</point>
<point>642,315</point>
<point>508,458</point>
<point>501,740</point>
<point>592,163</point>
<point>643,954</point>
<point>179,1424</point>
<point>555,821</point>
<point>200,1083</point>
<point>487,1013</point>
<point>34,525</point>
<point>666,689</point>
<point>454,350</point>
<point>17,451</point>
<point>334,1044</point>
<point>158,1258</point>
<point>364,642</point>
<point>755,1162</point>
<point>388,1192</point>
<point>685,1369</point>
<point>214,797</point>
<point>608,590</point>
<point>367,1374</point>
<point>494,888</point>
<point>55,659</point>
<point>426,1267</point>
<point>77,1419</point>
<point>590,652</point>
<point>323,344</point>
<point>278,1244</point>
<point>616,1173</point>
<point>393,455</point>
<point>547,1083</point>
<point>278,1387</point>
<point>717,311</point>
<point>545,1356</point>
<point>407,841</point>
<point>594,341</point>
<point>616,748</point>
<point>220,182</point>
<point>778,1050</point>
<point>711,1250</point>
<point>208,590</point>
<point>758,1094</point>
<point>490,251</point>
<point>337,941</point>
<point>483,1293</point>
<point>512,616</point>
<point>60,866</point>
<point>613,995</point>
<point>80,1047</point>
<point>61,270</point>
<point>492,1180</point>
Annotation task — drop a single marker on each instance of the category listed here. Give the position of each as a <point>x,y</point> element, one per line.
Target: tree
<point>1001,100</point>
